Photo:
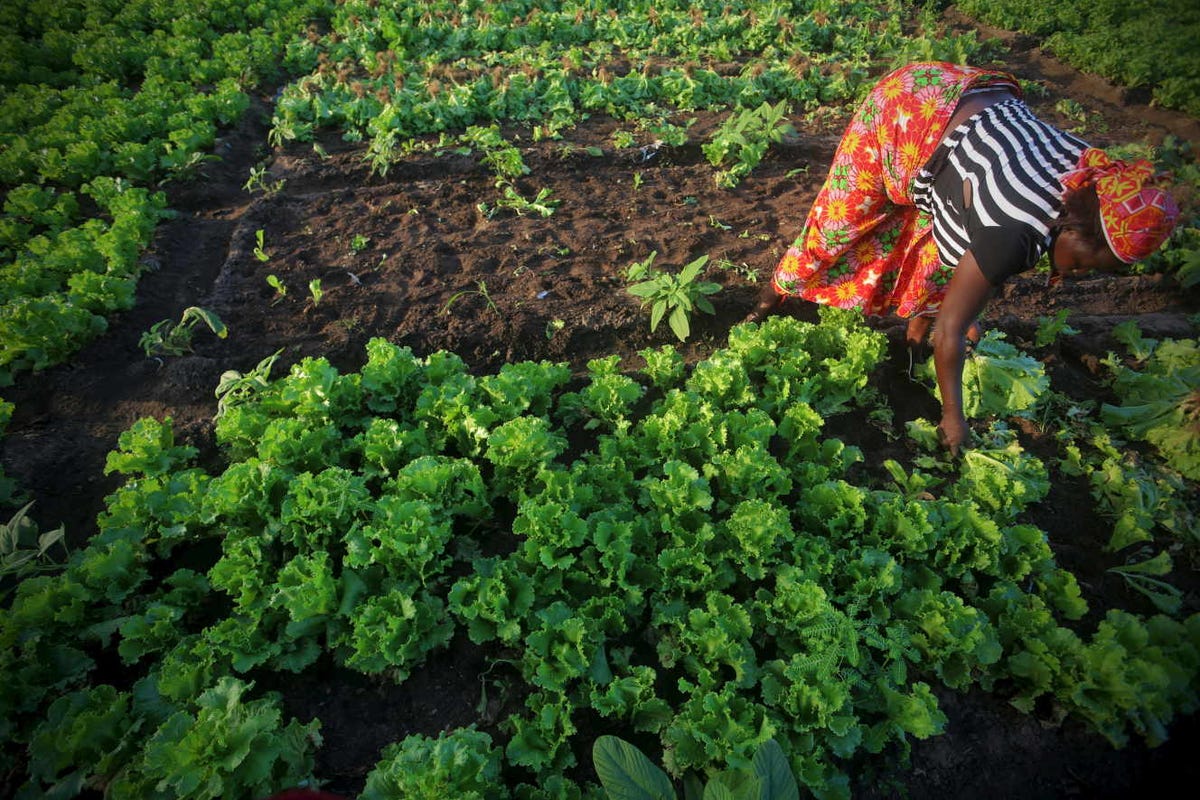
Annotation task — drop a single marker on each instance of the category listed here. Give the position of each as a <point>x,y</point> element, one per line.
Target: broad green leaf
<point>679,324</point>
<point>644,289</point>
<point>209,318</point>
<point>627,774</point>
<point>772,768</point>
<point>718,791</point>
<point>734,785</point>
<point>692,270</point>
<point>1159,565</point>
<point>656,314</point>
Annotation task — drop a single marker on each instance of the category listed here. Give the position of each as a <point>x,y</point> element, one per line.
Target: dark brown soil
<point>435,273</point>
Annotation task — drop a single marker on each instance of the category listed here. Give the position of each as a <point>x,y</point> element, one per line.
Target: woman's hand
<point>769,302</point>
<point>954,434</point>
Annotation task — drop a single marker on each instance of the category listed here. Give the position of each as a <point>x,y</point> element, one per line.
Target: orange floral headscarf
<point>1137,215</point>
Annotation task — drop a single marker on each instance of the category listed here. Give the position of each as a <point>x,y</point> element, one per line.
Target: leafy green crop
<point>680,552</point>
<point>460,764</point>
<point>742,141</point>
<point>997,378</point>
<point>1160,402</point>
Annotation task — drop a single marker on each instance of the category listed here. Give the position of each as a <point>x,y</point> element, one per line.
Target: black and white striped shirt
<point>1013,162</point>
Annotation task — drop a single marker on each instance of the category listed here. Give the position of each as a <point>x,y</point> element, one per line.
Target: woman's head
<point>1117,203</point>
<point>1079,244</point>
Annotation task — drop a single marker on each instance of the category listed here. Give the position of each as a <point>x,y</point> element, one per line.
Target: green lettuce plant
<point>1160,400</point>
<point>998,379</point>
<point>175,338</point>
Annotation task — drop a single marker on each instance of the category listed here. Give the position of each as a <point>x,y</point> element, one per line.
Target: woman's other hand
<point>954,434</point>
<point>769,302</point>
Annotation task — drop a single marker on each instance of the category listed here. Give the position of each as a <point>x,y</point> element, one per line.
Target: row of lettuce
<point>680,553</point>
<point>103,102</point>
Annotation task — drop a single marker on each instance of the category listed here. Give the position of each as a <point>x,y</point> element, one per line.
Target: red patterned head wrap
<point>1137,216</point>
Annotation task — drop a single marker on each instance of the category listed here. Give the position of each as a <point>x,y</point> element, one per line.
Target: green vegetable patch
<point>677,556</point>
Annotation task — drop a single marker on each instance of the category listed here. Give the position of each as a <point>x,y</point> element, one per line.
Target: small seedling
<point>747,272</point>
<point>259,252</point>
<point>623,139</point>
<point>359,243</point>
<point>677,294</point>
<point>482,291</point>
<point>1051,328</point>
<point>257,182</point>
<point>315,291</point>
<point>175,338</point>
<point>553,327</point>
<point>513,200</point>
<point>279,286</point>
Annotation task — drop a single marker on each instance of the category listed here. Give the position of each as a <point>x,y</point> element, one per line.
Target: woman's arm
<point>965,298</point>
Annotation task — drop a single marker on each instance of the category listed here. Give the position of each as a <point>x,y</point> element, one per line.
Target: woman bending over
<point>944,185</point>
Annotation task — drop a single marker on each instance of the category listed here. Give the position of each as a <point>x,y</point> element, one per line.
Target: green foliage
<point>1108,38</point>
<point>512,200</point>
<point>148,448</point>
<point>741,141</point>
<point>260,251</point>
<point>276,283</point>
<point>95,106</point>
<point>696,563</point>
<point>1144,577</point>
<point>226,748</point>
<point>24,550</point>
<point>627,774</point>
<point>998,380</point>
<point>461,763</point>
<point>481,290</point>
<point>175,338</point>
<point>502,156</point>
<point>93,727</point>
<point>677,295</point>
<point>1050,329</point>
<point>236,387</point>
<point>1160,402</point>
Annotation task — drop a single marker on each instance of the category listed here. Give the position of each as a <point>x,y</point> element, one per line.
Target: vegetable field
<point>377,416</point>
